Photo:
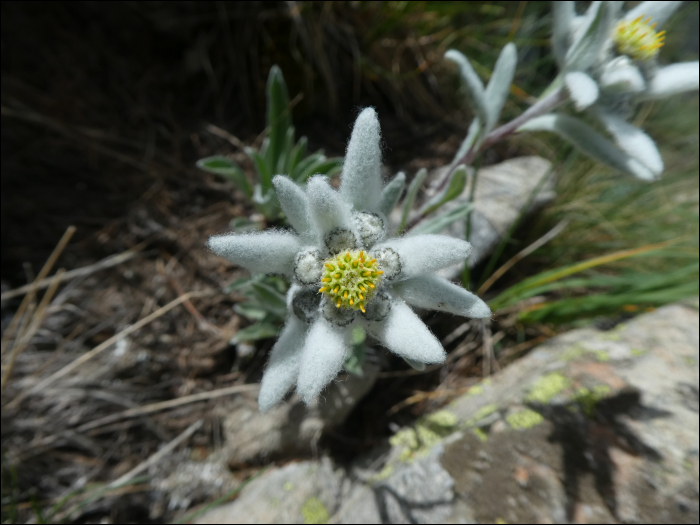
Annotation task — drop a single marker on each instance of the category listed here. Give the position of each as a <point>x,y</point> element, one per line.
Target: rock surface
<point>593,426</point>
<point>291,428</point>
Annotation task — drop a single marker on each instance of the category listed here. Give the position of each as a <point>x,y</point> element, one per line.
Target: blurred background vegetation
<point>106,107</point>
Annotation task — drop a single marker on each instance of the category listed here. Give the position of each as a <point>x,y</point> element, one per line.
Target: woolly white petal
<point>582,89</point>
<point>659,12</point>
<point>425,254</point>
<point>436,293</point>
<point>263,252</point>
<point>328,210</point>
<point>620,75</point>
<point>361,181</point>
<point>592,35</point>
<point>283,368</point>
<point>404,334</point>
<point>674,79</point>
<point>634,142</point>
<point>323,356</point>
<point>294,204</point>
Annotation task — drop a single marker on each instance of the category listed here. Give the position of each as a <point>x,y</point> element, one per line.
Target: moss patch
<point>428,431</point>
<point>588,399</point>
<point>547,387</point>
<point>314,511</point>
<point>524,419</point>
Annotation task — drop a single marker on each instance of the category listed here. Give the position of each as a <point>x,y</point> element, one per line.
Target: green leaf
<point>278,118</point>
<point>228,169</point>
<point>296,155</point>
<point>303,164</point>
<point>439,222</point>
<point>392,193</point>
<point>353,364</point>
<point>270,299</point>
<point>453,190</point>
<point>411,194</point>
<point>238,284</point>
<point>250,310</point>
<point>262,168</point>
<point>321,166</point>
<point>254,332</point>
<point>283,162</point>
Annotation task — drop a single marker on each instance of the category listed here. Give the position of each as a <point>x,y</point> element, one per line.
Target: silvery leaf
<point>582,89</point>
<point>588,141</point>
<point>472,83</point>
<point>499,84</point>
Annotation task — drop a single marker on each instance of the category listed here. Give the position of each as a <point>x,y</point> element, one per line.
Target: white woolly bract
<point>436,293</point>
<point>263,252</point>
<point>634,142</point>
<point>563,14</point>
<point>659,12</point>
<point>328,210</point>
<point>674,79</point>
<point>324,353</point>
<point>582,89</point>
<point>283,368</point>
<point>425,254</point>
<point>499,84</point>
<point>404,334</point>
<point>620,75</point>
<point>361,181</point>
<point>295,205</point>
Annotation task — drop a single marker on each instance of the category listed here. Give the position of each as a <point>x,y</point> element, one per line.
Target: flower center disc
<point>637,38</point>
<point>350,279</point>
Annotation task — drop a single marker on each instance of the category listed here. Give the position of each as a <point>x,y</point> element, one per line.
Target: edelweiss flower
<point>608,61</point>
<point>345,273</point>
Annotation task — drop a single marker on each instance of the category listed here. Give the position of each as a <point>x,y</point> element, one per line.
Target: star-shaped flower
<point>608,61</point>
<point>345,272</point>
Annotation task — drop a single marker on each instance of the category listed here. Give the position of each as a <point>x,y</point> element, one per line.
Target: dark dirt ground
<point>104,110</point>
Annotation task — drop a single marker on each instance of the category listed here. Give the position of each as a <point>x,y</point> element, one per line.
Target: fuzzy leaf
<point>392,193</point>
<point>499,84</point>
<point>452,191</point>
<point>563,14</point>
<point>263,169</point>
<point>294,204</point>
<point>264,252</point>
<point>228,169</point>
<point>254,332</point>
<point>620,75</point>
<point>472,83</point>
<point>588,141</point>
<point>270,299</point>
<point>436,293</point>
<point>411,194</point>
<point>251,311</point>
<point>438,223</point>
<point>634,142</point>
<point>595,34</point>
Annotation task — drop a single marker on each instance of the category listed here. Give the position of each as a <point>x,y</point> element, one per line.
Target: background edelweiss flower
<point>345,272</point>
<point>608,63</point>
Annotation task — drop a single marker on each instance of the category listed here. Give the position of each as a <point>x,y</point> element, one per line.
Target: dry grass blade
<point>425,396</point>
<point>165,405</point>
<point>521,255</point>
<point>103,346</point>
<point>57,251</point>
<point>107,262</point>
<point>126,478</point>
<point>37,319</point>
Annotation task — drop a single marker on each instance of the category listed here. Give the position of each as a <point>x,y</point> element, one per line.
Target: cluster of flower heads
<point>345,272</point>
<point>608,60</point>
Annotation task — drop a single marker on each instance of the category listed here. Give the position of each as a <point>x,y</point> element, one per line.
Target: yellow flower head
<point>350,278</point>
<point>638,39</point>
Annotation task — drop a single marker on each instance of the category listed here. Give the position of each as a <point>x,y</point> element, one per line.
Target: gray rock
<point>306,492</point>
<point>290,428</point>
<point>593,426</point>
